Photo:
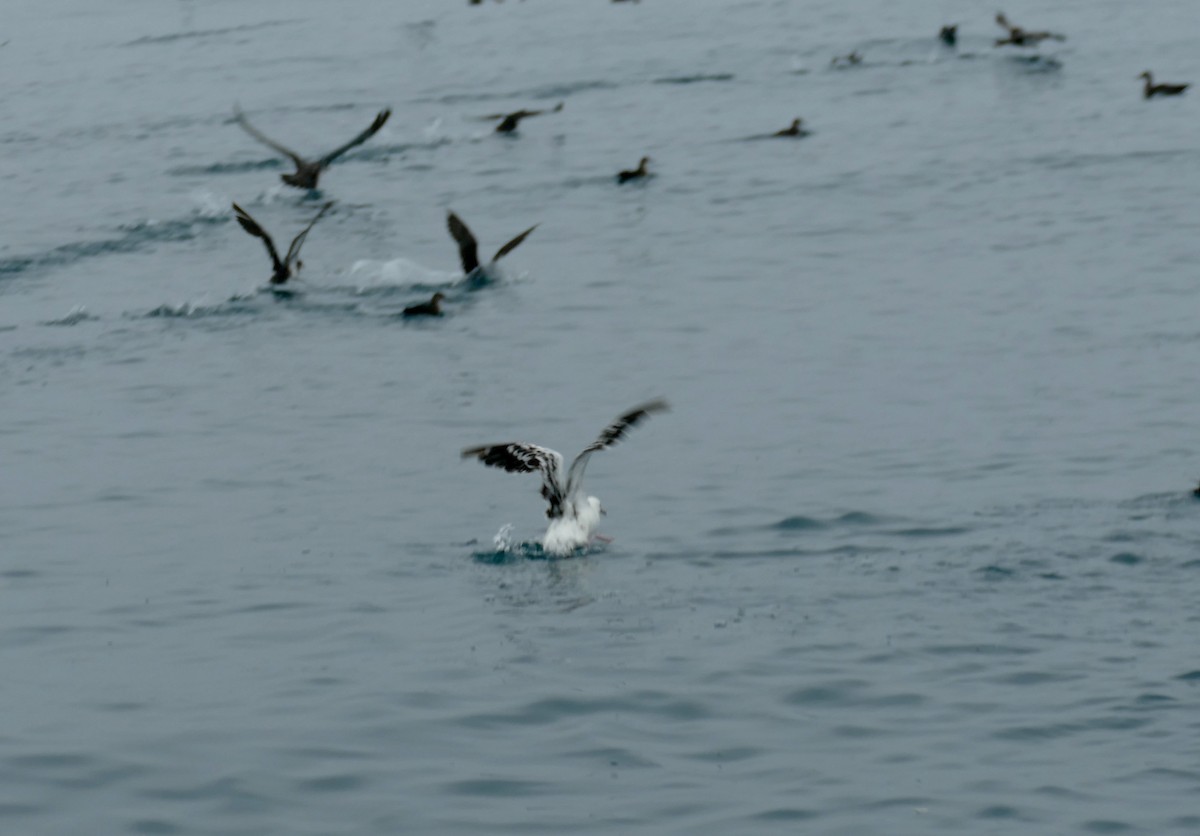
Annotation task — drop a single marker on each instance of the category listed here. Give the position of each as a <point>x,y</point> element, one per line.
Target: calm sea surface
<point>913,552</point>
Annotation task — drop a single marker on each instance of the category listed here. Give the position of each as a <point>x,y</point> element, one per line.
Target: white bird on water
<point>573,515</point>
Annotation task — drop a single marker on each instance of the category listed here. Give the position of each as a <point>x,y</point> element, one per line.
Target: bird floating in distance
<point>1151,89</point>
<point>793,129</point>
<point>431,308</point>
<point>949,34</point>
<point>853,59</point>
<point>636,173</point>
<point>290,264</point>
<point>510,121</point>
<point>308,172</point>
<point>573,515</point>
<point>1019,37</point>
<point>468,247</point>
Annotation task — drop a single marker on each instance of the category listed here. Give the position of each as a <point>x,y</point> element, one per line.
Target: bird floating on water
<point>309,171</point>
<point>1019,37</point>
<point>510,121</point>
<point>853,59</point>
<point>290,264</point>
<point>949,34</point>
<point>793,129</point>
<point>573,515</point>
<point>1151,89</point>
<point>431,308</point>
<point>468,247</point>
<point>636,173</point>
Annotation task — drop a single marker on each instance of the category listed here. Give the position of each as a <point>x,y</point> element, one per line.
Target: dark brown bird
<point>510,121</point>
<point>792,130</point>
<point>309,171</point>
<point>291,264</point>
<point>949,34</point>
<point>1019,37</point>
<point>431,308</point>
<point>634,174</point>
<point>1151,89</point>
<point>468,247</point>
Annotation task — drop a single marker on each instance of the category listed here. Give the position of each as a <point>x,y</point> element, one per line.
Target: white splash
<point>503,541</point>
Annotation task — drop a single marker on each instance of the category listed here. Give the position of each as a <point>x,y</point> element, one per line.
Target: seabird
<point>573,515</point>
<point>636,173</point>
<point>949,34</point>
<point>792,130</point>
<point>468,247</point>
<point>509,121</point>
<point>309,171</point>
<point>846,60</point>
<point>1019,37</point>
<point>283,270</point>
<point>431,308</point>
<point>1152,89</point>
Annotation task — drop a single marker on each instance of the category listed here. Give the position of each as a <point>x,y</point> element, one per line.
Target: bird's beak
<point>603,513</point>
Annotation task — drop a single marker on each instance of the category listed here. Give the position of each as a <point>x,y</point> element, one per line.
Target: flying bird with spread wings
<point>290,264</point>
<point>1020,37</point>
<point>573,515</point>
<point>468,247</point>
<point>308,172</point>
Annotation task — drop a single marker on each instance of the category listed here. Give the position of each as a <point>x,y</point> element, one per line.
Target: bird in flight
<point>573,515</point>
<point>468,247</point>
<point>290,264</point>
<point>308,172</point>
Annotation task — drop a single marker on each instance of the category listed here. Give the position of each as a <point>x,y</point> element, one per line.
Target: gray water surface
<point>913,552</point>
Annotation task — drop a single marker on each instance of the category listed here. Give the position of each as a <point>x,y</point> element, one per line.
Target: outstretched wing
<point>1001,20</point>
<point>468,247</point>
<point>519,457</point>
<point>512,245</point>
<point>252,226</point>
<point>241,119</point>
<point>358,140</point>
<point>613,433</point>
<point>294,250</point>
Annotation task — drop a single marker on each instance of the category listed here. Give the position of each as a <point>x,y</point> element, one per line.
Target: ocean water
<point>914,552</point>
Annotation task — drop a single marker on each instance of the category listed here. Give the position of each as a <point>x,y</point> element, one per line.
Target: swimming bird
<point>309,171</point>
<point>1151,89</point>
<point>792,130</point>
<point>468,247</point>
<point>573,515</point>
<point>283,270</point>
<point>634,174</point>
<point>431,308</point>
<point>949,34</point>
<point>846,60</point>
<point>1019,37</point>
<point>509,121</point>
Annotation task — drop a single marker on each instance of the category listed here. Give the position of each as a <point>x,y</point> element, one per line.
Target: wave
<point>130,238</point>
<point>695,79</point>
<point>204,33</point>
<point>75,316</point>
